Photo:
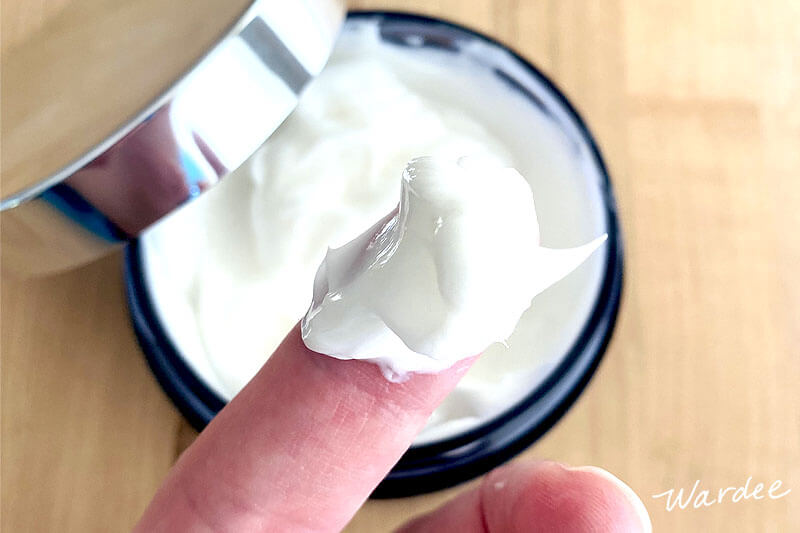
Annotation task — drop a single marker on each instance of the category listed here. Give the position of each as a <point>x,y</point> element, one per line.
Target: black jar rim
<point>447,462</point>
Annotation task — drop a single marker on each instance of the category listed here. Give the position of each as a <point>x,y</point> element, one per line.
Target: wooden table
<point>697,108</point>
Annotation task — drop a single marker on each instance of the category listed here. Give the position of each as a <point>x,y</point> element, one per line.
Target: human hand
<point>302,446</point>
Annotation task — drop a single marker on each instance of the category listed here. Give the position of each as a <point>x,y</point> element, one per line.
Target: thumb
<point>540,497</point>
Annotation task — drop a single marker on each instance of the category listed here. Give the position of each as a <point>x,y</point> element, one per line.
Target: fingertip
<point>633,500</point>
<point>554,497</point>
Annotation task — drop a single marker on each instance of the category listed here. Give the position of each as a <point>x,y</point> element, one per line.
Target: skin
<point>301,447</point>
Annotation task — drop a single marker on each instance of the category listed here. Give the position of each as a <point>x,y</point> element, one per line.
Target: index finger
<point>299,448</point>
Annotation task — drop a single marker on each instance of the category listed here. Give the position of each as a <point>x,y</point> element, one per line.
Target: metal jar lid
<point>114,115</point>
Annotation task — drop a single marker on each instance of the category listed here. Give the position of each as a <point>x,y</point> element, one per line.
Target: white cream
<point>228,296</point>
<point>441,277</point>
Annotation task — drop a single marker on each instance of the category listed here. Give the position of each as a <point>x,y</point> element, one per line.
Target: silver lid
<point>182,143</point>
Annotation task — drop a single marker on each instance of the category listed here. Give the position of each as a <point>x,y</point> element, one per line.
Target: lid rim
<point>236,29</point>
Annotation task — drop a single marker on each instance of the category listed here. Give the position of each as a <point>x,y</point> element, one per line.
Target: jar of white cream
<point>209,310</point>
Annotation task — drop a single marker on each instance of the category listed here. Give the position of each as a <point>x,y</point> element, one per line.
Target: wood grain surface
<point>696,105</point>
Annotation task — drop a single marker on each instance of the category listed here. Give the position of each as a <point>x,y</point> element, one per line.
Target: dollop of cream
<point>440,278</point>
